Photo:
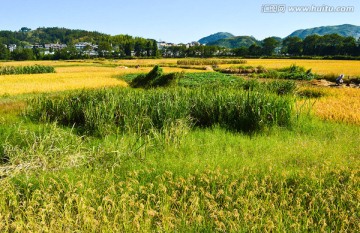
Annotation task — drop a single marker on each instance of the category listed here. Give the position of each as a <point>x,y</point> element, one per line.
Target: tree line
<point>313,45</point>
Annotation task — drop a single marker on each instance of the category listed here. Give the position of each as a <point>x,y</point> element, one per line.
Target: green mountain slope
<point>215,37</point>
<point>343,30</point>
<point>235,42</point>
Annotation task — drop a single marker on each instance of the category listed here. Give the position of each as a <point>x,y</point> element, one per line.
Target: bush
<point>155,78</point>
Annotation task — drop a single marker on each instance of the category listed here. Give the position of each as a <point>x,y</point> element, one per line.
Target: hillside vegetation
<point>235,42</point>
<point>215,37</point>
<point>342,30</point>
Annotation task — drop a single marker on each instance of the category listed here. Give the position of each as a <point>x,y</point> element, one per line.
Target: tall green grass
<point>35,69</point>
<point>293,72</point>
<point>103,111</point>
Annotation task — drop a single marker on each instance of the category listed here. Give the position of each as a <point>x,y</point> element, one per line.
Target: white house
<point>191,44</point>
<point>56,46</point>
<point>83,45</point>
<point>12,47</point>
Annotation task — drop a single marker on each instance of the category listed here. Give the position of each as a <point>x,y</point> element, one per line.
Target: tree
<point>4,52</point>
<point>311,45</point>
<point>241,52</point>
<point>155,50</point>
<point>349,46</point>
<point>292,45</point>
<point>269,45</point>
<point>22,54</point>
<point>210,51</point>
<point>139,48</point>
<point>104,48</point>
<point>128,48</point>
<point>148,48</point>
<point>330,44</point>
<point>37,53</point>
<point>25,29</point>
<point>61,54</point>
<point>255,50</point>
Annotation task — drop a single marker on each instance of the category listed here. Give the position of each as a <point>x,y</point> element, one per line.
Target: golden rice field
<point>20,84</point>
<point>339,104</point>
<point>351,68</point>
<point>76,76</point>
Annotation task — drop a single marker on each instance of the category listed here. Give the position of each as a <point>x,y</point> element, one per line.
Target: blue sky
<point>172,21</point>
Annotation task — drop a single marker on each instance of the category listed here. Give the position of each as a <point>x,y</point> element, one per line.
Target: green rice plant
<point>193,80</point>
<point>296,73</point>
<point>215,79</point>
<point>35,69</point>
<point>292,72</point>
<point>243,70</point>
<point>105,111</point>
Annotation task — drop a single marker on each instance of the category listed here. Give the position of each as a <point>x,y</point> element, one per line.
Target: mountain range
<point>228,40</point>
<point>342,30</point>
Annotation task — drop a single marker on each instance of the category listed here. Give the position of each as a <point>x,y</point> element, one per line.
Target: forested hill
<point>235,42</point>
<point>342,30</point>
<point>215,37</point>
<point>56,35</point>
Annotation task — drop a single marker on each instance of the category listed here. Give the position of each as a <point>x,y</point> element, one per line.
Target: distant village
<point>91,49</point>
